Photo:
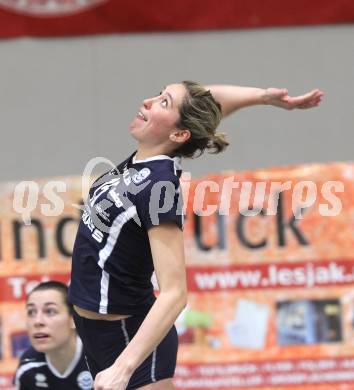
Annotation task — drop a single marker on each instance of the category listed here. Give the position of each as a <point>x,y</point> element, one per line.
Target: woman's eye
<point>51,312</point>
<point>164,102</point>
<point>31,313</point>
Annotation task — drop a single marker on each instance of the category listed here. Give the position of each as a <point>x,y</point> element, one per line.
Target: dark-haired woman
<point>55,360</point>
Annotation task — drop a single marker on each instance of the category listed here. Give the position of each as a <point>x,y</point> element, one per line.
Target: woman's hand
<point>280,98</point>
<point>115,377</point>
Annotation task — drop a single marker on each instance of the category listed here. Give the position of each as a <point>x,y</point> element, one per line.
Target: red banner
<point>253,374</point>
<point>79,17</point>
<point>15,288</point>
<point>269,276</point>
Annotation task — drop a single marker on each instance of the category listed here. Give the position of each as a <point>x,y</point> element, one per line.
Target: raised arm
<point>232,98</point>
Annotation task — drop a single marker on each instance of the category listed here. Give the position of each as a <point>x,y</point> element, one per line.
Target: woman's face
<point>157,117</point>
<point>49,324</point>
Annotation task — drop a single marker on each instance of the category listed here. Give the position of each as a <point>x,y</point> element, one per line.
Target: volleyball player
<point>56,360</point>
<point>132,226</point>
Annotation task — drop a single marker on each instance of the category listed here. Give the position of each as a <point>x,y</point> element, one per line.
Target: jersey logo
<point>41,380</point>
<point>84,380</point>
<point>141,175</point>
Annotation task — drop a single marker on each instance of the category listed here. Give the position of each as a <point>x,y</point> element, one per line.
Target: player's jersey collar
<point>71,366</point>
<point>176,161</point>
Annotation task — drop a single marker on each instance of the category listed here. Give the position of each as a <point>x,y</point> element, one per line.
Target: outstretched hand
<point>280,98</point>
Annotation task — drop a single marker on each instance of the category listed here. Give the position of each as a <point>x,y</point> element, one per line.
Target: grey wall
<point>66,101</point>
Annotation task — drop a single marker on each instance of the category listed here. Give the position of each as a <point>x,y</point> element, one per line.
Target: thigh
<point>160,365</point>
<point>103,341</point>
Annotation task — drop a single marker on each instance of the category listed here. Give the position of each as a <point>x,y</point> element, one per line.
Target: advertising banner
<point>270,261</point>
<point>271,277</point>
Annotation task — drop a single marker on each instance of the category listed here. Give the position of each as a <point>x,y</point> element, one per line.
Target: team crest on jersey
<point>84,380</point>
<point>41,380</point>
<point>141,175</point>
<point>49,7</point>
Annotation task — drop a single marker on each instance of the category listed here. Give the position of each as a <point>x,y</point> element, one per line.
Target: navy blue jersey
<point>36,372</point>
<point>112,262</point>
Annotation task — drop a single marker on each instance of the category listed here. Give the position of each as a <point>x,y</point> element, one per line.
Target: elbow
<point>183,299</point>
<point>177,298</point>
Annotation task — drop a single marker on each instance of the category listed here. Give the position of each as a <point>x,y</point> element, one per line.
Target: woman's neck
<point>142,154</point>
<point>63,356</point>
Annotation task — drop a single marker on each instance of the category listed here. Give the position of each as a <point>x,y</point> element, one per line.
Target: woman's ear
<point>180,136</point>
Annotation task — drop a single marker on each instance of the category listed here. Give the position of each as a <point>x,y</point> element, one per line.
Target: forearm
<point>156,325</point>
<point>232,97</point>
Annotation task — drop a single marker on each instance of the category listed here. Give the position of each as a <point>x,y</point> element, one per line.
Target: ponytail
<point>217,143</point>
<point>201,114</point>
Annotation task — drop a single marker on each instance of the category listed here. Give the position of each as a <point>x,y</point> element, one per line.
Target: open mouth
<point>141,116</point>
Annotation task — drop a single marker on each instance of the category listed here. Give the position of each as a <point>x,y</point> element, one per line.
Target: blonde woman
<point>132,226</point>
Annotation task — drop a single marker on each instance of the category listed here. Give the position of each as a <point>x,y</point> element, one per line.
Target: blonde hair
<point>201,114</point>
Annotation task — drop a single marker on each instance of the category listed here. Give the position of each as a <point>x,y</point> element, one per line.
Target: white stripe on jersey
<point>176,161</point>
<point>177,164</point>
<point>125,333</point>
<point>154,158</point>
<point>27,367</point>
<point>106,251</point>
<point>72,364</point>
<point>104,292</point>
<point>153,365</point>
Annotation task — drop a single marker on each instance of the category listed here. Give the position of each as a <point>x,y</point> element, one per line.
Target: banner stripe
<point>36,18</point>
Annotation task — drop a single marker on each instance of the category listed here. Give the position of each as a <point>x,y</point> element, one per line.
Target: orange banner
<point>270,258</point>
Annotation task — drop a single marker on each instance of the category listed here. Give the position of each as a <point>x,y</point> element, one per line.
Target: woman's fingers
<point>308,100</point>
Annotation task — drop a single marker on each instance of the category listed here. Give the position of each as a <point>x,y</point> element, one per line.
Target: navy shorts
<point>104,341</point>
